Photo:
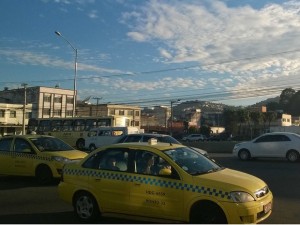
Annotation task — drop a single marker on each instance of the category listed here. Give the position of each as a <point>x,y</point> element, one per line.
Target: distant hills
<point>207,106</point>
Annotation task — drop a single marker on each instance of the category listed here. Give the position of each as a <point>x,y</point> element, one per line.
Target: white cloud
<point>195,31</point>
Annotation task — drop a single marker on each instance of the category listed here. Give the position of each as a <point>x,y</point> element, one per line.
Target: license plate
<point>267,207</point>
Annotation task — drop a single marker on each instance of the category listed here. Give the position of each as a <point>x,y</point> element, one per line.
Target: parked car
<point>195,137</point>
<point>100,136</point>
<point>276,145</point>
<point>162,182</point>
<point>39,156</point>
<point>220,137</point>
<point>144,137</point>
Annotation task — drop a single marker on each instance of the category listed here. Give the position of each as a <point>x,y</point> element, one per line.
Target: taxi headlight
<point>240,196</point>
<point>61,159</point>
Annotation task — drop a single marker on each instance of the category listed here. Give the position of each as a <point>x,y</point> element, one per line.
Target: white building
<point>11,118</point>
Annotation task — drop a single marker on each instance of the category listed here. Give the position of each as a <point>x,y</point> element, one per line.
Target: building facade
<point>11,118</point>
<point>46,102</point>
<point>133,113</point>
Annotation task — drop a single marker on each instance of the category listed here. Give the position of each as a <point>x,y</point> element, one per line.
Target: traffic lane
<point>23,201</point>
<point>282,178</point>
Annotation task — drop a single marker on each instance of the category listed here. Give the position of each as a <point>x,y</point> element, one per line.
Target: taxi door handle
<point>137,184</point>
<point>98,179</point>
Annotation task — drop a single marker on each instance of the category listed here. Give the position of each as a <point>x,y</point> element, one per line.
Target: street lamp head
<point>57,33</point>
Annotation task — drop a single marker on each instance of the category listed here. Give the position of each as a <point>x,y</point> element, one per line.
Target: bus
<point>74,130</point>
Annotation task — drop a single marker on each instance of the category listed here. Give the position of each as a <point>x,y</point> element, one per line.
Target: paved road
<point>22,201</point>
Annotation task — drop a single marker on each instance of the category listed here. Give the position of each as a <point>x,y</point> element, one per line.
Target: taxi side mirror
<point>165,172</point>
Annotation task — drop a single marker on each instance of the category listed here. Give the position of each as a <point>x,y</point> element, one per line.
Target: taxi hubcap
<point>85,207</point>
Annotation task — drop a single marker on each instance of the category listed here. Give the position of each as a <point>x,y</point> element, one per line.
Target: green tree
<point>293,105</point>
<point>230,120</point>
<point>241,116</point>
<point>285,98</point>
<point>256,118</point>
<point>272,106</point>
<point>206,130</point>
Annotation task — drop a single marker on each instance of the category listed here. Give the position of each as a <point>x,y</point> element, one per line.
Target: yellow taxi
<point>162,182</point>
<point>35,155</point>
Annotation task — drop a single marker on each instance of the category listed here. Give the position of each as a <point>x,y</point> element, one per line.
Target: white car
<point>194,137</point>
<point>276,145</point>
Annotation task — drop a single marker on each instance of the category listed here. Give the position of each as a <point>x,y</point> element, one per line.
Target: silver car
<point>144,137</point>
<point>273,145</point>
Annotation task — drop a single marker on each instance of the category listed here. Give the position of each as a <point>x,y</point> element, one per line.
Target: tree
<point>230,120</point>
<point>256,118</point>
<point>272,106</point>
<point>285,98</point>
<point>293,105</point>
<point>241,116</point>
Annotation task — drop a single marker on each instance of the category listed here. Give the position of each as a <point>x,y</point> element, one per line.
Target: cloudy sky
<point>237,52</point>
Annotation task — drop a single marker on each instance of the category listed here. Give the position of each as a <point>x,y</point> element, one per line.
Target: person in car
<point>148,164</point>
<point>111,164</point>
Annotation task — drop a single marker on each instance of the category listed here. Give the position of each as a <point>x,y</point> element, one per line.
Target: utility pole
<point>24,108</point>
<point>75,67</point>
<point>97,98</point>
<point>172,102</point>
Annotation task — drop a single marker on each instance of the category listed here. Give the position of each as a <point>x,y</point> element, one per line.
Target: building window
<point>70,100</point>
<point>69,113</point>
<point>46,112</point>
<point>13,114</point>
<point>121,112</point>
<point>136,123</point>
<point>57,112</point>
<point>2,113</point>
<point>137,113</point>
<point>47,98</point>
<point>111,112</point>
<point>58,99</point>
<point>130,112</point>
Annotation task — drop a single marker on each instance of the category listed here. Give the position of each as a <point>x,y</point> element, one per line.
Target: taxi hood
<point>71,154</point>
<point>231,180</point>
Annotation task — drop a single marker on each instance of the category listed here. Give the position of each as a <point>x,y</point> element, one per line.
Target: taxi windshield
<point>50,144</point>
<point>192,161</point>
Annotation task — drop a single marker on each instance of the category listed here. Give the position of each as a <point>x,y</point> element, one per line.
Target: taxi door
<point>23,157</point>
<point>157,196</point>
<point>6,156</point>
<point>111,185</point>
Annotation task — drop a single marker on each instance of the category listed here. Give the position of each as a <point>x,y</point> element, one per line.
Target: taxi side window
<point>5,144</point>
<point>152,164</point>
<point>22,145</point>
<point>111,159</point>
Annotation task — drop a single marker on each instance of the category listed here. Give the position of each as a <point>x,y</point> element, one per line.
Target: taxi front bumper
<point>250,212</point>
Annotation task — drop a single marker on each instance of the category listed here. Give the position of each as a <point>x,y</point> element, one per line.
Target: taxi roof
<point>26,136</point>
<point>158,146</point>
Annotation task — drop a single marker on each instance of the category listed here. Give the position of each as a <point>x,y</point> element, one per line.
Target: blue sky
<point>151,52</point>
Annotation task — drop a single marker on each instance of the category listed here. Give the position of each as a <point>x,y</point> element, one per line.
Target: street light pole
<point>172,102</point>
<point>75,76</point>
<point>24,108</point>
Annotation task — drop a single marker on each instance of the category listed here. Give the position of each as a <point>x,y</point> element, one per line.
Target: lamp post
<point>24,108</point>
<point>75,76</point>
<point>172,102</point>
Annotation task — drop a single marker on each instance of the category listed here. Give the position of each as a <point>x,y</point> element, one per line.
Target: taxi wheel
<point>43,174</point>
<point>86,207</point>
<point>207,213</point>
